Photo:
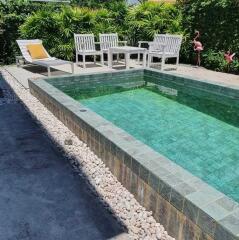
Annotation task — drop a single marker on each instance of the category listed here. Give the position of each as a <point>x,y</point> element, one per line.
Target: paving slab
<point>197,73</point>
<point>202,73</point>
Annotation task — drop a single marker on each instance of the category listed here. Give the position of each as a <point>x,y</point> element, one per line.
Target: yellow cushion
<point>37,51</point>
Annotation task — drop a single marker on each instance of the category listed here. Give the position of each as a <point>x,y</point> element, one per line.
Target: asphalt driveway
<point>41,197</point>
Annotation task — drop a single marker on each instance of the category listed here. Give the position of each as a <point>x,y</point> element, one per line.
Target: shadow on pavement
<point>41,197</point>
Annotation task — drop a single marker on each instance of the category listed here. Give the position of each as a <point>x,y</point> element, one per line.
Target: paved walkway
<point>201,73</point>
<point>40,195</point>
<point>23,74</point>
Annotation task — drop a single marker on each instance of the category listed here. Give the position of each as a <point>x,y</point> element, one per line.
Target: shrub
<point>146,19</point>
<point>96,3</point>
<point>12,14</point>
<point>214,60</point>
<point>139,23</point>
<point>234,67</point>
<point>55,24</point>
<point>56,29</point>
<point>218,22</point>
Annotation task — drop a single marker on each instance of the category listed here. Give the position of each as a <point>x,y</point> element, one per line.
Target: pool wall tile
<point>191,211</point>
<point>207,223</point>
<point>165,190</point>
<point>144,173</point>
<point>153,181</point>
<point>178,194</point>
<point>188,208</point>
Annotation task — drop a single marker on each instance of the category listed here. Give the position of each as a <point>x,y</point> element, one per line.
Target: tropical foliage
<point>137,23</point>
<point>215,60</point>
<point>97,3</point>
<point>57,28</point>
<point>217,20</point>
<point>13,13</point>
<point>148,18</point>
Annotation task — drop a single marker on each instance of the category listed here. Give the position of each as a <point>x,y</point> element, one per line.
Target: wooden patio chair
<point>85,46</point>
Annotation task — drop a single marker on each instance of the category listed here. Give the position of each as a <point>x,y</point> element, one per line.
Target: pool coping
<point>215,213</point>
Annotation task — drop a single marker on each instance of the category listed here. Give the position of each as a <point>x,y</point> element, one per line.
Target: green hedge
<point>57,29</point>
<point>215,60</point>
<point>218,23</point>
<point>217,20</point>
<point>149,18</point>
<point>136,23</point>
<point>13,13</point>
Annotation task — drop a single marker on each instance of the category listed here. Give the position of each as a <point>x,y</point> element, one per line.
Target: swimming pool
<point>167,138</point>
<point>198,133</point>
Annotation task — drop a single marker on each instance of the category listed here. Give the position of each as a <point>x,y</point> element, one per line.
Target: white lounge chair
<point>164,46</point>
<point>85,46</point>
<point>45,62</point>
<point>108,40</point>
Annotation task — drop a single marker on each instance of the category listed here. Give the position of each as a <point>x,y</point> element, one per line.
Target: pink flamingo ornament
<point>198,47</point>
<point>229,57</point>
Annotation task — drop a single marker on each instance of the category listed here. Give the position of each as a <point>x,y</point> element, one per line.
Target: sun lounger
<point>45,62</point>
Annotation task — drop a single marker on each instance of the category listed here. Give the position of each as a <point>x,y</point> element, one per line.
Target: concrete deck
<point>23,74</point>
<point>41,197</point>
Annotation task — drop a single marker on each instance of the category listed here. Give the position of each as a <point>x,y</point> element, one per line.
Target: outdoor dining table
<point>127,51</point>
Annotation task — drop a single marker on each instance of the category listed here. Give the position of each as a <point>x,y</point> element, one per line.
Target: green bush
<point>97,3</point>
<point>217,21</point>
<point>149,18</point>
<point>13,13</point>
<point>214,60</point>
<point>57,29</point>
<point>139,23</point>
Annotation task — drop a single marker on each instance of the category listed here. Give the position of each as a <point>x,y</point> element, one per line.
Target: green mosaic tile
<point>231,222</point>
<point>179,191</point>
<point>204,196</point>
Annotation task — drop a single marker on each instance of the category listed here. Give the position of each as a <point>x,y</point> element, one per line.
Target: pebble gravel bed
<point>139,222</point>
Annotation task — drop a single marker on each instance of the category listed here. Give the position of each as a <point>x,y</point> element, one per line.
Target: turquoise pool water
<point>200,143</point>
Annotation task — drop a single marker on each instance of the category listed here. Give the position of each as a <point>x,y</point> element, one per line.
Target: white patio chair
<point>46,62</point>
<point>85,46</point>
<point>164,46</point>
<point>108,40</point>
